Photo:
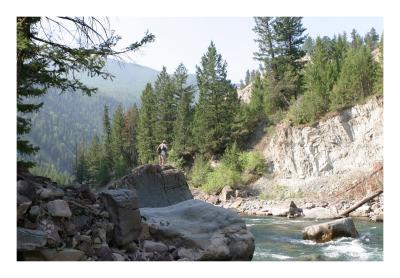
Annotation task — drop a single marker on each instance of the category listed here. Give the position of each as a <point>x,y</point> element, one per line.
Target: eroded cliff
<point>335,151</point>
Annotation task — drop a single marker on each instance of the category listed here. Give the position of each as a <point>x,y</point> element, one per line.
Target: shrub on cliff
<point>231,158</point>
<point>252,162</point>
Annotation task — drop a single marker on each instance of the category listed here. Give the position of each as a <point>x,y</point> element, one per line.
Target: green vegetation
<point>217,105</point>
<point>51,172</point>
<point>236,169</point>
<point>339,73</point>
<point>280,192</point>
<point>252,162</point>
<point>276,192</point>
<point>200,170</point>
<point>220,177</point>
<point>113,155</point>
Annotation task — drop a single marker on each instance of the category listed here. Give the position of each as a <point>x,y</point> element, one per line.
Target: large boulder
<point>320,213</point>
<point>122,205</point>
<point>156,186</point>
<point>151,246</point>
<point>286,209</point>
<point>59,208</point>
<point>327,231</point>
<point>28,239</point>
<point>226,193</point>
<point>201,231</point>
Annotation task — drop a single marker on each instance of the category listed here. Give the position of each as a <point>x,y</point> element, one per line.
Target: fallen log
<point>359,204</point>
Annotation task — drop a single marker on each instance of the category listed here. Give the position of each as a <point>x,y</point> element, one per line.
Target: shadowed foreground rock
<point>201,231</point>
<point>327,231</point>
<point>122,205</point>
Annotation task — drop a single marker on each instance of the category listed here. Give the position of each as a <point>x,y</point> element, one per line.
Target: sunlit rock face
<point>337,150</point>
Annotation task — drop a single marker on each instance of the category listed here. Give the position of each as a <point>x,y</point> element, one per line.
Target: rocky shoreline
<point>149,215</point>
<point>306,208</point>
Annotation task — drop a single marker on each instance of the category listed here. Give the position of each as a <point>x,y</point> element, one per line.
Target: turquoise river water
<point>279,239</point>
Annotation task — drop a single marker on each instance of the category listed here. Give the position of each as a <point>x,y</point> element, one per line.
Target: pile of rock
<point>75,223</point>
<point>66,223</point>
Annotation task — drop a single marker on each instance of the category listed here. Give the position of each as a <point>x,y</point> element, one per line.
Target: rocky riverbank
<point>74,223</point>
<point>241,202</point>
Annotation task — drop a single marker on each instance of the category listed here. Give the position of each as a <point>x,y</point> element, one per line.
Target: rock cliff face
<point>343,146</point>
<point>245,93</point>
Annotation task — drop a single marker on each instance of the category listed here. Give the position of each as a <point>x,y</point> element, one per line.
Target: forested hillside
<point>70,118</point>
<point>63,121</point>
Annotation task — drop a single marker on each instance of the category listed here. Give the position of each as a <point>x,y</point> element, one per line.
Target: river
<point>279,239</point>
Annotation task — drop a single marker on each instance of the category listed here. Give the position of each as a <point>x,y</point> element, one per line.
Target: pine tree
<point>184,116</point>
<point>247,78</point>
<point>94,158</point>
<point>164,91</point>
<point>146,143</point>
<point>378,83</point>
<point>265,40</point>
<point>309,45</point>
<point>372,39</point>
<point>46,60</point>
<point>81,168</point>
<point>217,104</point>
<point>241,84</point>
<point>356,40</point>
<point>108,161</point>
<point>257,100</point>
<point>280,43</point>
<point>289,40</point>
<point>118,143</point>
<point>356,78</point>
<point>320,76</point>
<point>131,125</point>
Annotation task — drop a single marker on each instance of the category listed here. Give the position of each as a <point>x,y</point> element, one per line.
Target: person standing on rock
<point>162,150</point>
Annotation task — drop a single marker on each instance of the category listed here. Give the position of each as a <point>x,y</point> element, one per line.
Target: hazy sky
<point>185,39</point>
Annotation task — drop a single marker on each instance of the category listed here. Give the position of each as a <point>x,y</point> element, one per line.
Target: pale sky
<point>185,39</point>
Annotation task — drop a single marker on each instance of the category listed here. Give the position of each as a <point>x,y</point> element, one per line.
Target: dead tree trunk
<point>359,204</point>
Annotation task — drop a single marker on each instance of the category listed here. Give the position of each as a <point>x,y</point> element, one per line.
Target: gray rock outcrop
<point>156,186</point>
<point>201,231</point>
<point>122,205</point>
<point>327,231</point>
<point>320,158</point>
